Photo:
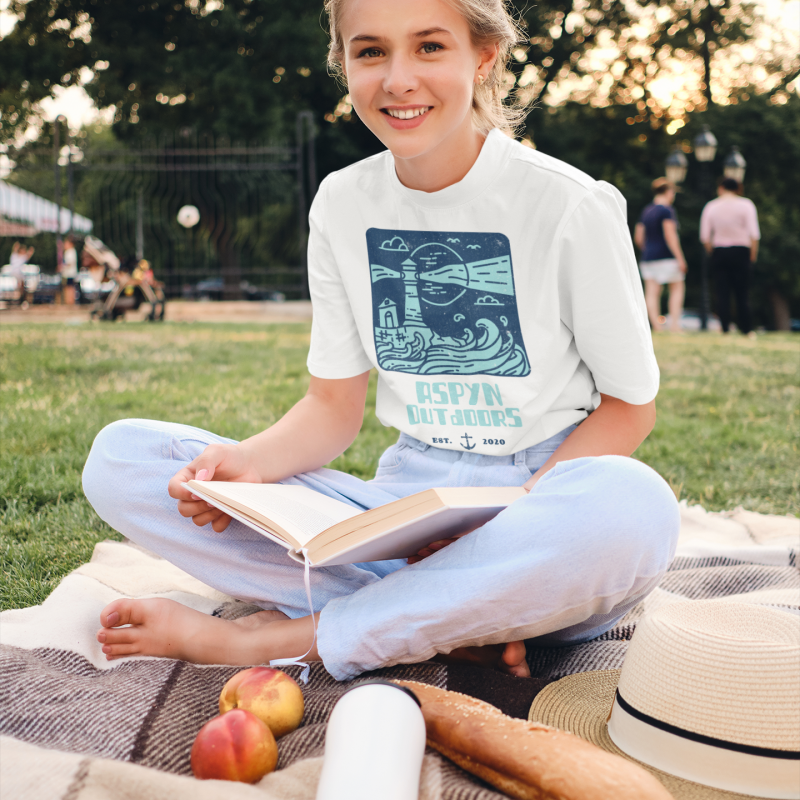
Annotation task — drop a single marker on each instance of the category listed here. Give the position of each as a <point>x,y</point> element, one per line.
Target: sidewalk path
<point>177,311</point>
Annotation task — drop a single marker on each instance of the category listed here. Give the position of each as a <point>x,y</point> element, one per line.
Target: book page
<point>301,511</point>
<point>405,538</point>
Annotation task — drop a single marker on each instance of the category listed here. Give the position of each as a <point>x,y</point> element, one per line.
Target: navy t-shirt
<point>655,247</point>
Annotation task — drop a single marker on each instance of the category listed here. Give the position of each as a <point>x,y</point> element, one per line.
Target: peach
<point>270,694</point>
<point>236,746</point>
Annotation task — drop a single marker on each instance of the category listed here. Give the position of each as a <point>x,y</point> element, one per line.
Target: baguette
<point>527,760</point>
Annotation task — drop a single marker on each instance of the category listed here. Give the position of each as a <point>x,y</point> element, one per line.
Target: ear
<point>487,55</point>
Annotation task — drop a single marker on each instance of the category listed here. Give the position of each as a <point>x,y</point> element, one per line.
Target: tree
<point>237,71</point>
<point>766,128</point>
<point>665,57</point>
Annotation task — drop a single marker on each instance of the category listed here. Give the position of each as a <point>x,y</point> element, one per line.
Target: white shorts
<point>665,270</point>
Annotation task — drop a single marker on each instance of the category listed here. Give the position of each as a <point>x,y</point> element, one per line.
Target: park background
<point>615,88</point>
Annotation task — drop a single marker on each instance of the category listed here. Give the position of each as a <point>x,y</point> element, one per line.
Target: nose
<point>400,78</point>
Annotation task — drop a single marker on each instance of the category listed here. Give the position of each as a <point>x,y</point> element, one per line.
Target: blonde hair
<point>490,23</point>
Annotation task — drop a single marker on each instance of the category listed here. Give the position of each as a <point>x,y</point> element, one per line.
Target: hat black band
<point>699,737</point>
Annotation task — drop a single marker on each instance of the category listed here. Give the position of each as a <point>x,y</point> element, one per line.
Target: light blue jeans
<point>561,565</point>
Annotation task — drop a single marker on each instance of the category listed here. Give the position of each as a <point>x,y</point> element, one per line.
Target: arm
<point>753,250</point>
<point>615,428</point>
<point>706,234</point>
<point>313,432</point>
<point>673,242</point>
<point>638,235</point>
<point>316,430</point>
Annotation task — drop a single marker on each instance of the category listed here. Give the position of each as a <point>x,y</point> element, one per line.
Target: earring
<point>481,79</point>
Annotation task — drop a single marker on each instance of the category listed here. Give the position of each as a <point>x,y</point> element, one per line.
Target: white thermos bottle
<point>374,745</point>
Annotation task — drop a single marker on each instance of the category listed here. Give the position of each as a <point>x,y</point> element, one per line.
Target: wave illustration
<point>402,359</point>
<point>493,353</point>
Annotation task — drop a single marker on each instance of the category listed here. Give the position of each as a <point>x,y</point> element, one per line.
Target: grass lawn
<point>726,432</point>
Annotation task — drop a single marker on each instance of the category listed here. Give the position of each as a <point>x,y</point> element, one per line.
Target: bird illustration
<point>473,247</point>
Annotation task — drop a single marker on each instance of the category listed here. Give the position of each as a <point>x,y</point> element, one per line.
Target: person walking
<point>730,234</point>
<point>69,271</point>
<point>656,235</point>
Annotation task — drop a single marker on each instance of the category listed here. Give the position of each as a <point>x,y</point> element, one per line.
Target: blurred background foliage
<point>614,86</point>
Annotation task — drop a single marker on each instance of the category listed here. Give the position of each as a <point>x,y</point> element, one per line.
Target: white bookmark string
<point>282,662</point>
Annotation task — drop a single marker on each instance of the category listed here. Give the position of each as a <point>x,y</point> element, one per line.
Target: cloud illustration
<point>488,300</point>
<point>395,245</point>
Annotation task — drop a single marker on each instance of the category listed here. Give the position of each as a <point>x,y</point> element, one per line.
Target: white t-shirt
<point>69,262</point>
<point>495,310</point>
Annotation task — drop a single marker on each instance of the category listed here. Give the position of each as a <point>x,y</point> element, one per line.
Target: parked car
<point>48,288</point>
<point>214,289</point>
<point>10,290</point>
<point>36,287</point>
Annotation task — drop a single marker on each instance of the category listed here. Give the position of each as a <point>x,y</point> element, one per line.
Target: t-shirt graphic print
<point>443,303</point>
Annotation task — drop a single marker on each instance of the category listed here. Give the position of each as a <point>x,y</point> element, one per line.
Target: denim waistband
<point>518,459</point>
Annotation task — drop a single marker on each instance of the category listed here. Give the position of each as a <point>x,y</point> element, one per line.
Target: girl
<point>656,235</point>
<point>495,290</point>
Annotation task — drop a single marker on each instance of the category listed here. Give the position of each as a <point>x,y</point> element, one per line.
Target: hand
<point>223,462</point>
<point>682,265</point>
<point>439,544</point>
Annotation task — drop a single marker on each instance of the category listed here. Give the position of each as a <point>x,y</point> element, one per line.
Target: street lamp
<point>705,148</point>
<point>705,145</point>
<point>734,165</point>
<point>676,165</point>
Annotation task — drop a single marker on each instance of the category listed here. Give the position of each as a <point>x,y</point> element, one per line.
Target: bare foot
<point>508,658</point>
<point>168,629</point>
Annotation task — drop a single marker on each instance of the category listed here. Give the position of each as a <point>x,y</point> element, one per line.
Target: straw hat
<point>708,700</point>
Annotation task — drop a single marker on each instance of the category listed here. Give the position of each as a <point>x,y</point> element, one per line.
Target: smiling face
<point>411,69</point>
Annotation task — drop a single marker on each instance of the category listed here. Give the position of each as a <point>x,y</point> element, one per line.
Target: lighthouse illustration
<point>444,303</point>
<point>413,311</point>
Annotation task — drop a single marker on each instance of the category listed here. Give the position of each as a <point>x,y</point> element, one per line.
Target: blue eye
<point>430,47</point>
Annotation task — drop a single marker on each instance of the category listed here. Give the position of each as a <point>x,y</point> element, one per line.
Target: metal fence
<point>249,237</point>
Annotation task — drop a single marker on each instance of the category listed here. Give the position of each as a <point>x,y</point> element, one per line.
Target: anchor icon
<point>467,446</point>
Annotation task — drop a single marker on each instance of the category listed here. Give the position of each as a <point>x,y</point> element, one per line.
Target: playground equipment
<point>128,292</point>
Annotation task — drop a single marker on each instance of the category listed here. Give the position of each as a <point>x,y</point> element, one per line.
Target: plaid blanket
<point>75,727</point>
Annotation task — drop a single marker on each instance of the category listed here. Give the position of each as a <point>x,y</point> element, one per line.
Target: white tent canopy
<point>17,204</point>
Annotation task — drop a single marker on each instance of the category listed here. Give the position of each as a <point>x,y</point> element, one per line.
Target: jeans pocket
<point>393,459</point>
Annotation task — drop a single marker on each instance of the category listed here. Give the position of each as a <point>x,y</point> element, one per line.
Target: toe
<point>520,671</point>
<point>122,612</point>
<point>112,614</point>
<point>514,659</point>
<point>114,636</point>
<point>119,651</point>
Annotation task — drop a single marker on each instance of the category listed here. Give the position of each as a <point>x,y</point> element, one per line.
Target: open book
<point>333,532</point>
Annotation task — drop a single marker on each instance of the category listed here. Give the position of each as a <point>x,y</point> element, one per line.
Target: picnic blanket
<point>76,727</point>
